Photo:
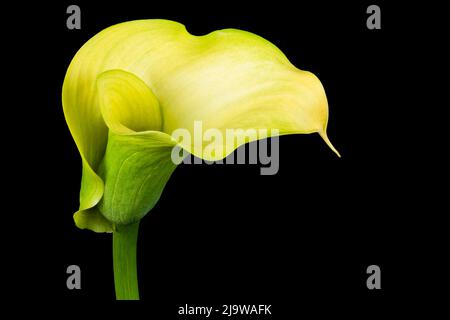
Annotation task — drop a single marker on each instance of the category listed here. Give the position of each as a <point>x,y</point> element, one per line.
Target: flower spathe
<point>130,86</point>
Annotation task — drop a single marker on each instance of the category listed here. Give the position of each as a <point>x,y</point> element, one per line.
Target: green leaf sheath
<point>135,170</point>
<point>124,256</point>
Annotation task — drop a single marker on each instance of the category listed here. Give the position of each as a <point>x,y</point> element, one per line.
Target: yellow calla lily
<point>133,84</point>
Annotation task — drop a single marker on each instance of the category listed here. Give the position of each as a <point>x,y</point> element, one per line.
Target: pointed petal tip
<point>324,136</point>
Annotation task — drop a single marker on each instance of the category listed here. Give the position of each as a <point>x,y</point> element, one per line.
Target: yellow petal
<point>126,103</point>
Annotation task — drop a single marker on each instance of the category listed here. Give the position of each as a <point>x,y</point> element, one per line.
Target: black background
<point>300,240</point>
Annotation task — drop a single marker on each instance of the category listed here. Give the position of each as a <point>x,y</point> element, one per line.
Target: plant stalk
<point>124,261</point>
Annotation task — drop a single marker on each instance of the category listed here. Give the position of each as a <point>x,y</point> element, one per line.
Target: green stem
<point>124,260</point>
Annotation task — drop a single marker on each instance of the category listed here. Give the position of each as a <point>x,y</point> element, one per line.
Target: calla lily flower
<point>133,84</point>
